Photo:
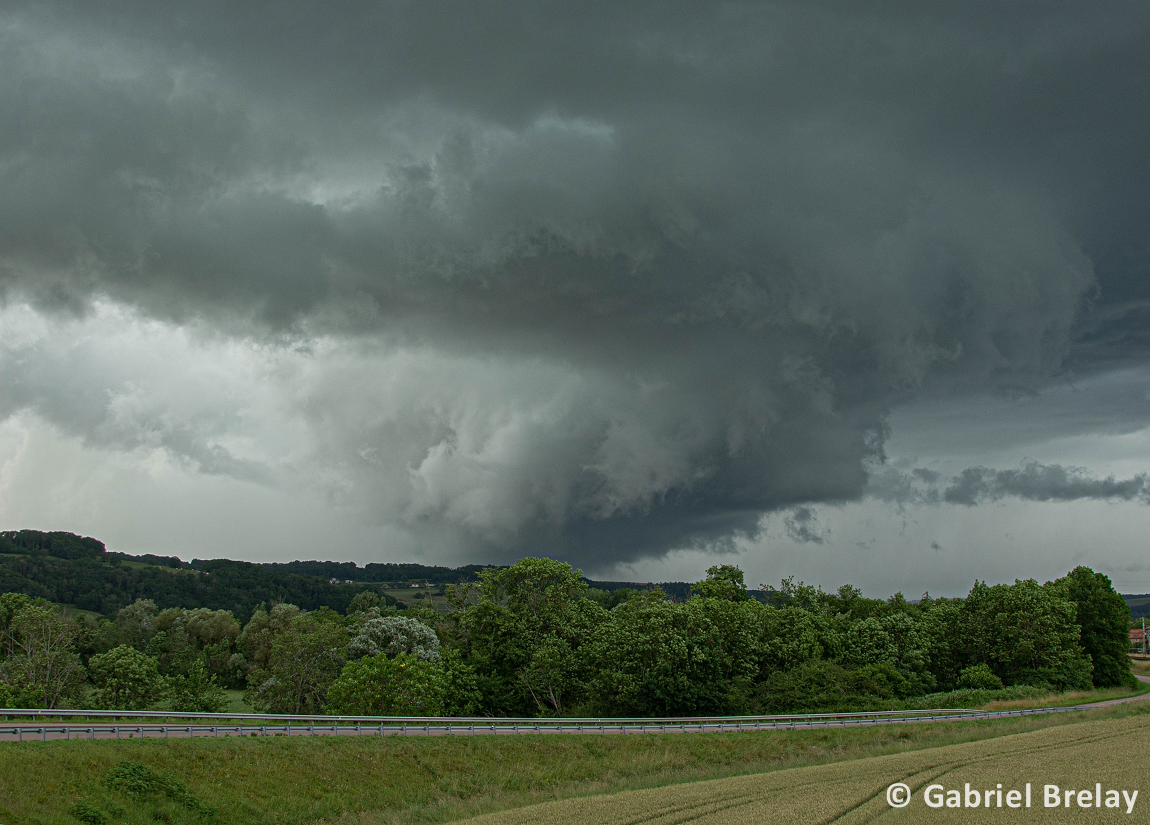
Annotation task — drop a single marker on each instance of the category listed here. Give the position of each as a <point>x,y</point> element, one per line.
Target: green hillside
<point>80,572</point>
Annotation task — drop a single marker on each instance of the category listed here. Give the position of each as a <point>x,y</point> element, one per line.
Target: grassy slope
<point>1077,697</point>
<point>277,780</point>
<point>1072,756</point>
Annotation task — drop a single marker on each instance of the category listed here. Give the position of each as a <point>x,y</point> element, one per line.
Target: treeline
<point>373,572</point>
<point>77,570</point>
<point>1139,605</point>
<point>80,571</point>
<point>532,639</point>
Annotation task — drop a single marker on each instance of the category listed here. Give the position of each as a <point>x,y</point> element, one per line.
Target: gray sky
<point>836,292</point>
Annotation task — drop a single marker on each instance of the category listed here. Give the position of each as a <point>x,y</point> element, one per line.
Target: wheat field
<point>1073,757</point>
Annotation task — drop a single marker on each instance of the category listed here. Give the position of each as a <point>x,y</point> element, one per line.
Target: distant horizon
<point>756,586</point>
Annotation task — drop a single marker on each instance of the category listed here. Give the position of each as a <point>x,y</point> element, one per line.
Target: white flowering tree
<point>394,635</point>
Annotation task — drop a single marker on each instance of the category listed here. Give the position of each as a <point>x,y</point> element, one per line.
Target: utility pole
<point>1143,635</point>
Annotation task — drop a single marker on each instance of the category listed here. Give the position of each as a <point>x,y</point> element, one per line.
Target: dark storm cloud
<point>666,267</point>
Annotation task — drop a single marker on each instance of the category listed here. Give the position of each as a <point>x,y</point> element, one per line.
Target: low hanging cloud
<point>802,525</point>
<point>1031,481</point>
<point>600,282</point>
<point>1042,482</point>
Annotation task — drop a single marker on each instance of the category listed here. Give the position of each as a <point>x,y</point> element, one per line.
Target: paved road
<point>36,732</point>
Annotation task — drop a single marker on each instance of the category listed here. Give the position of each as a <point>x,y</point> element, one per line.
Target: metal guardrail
<point>88,714</point>
<point>303,725</point>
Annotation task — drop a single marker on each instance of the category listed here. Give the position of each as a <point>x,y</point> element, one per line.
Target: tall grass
<point>310,779</point>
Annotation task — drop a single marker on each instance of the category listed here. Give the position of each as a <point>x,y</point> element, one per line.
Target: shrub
<point>87,813</point>
<point>198,692</point>
<point>978,677</point>
<point>379,686</point>
<point>126,679</point>
<point>142,782</point>
<point>813,686</point>
<point>394,635</point>
<point>881,679</point>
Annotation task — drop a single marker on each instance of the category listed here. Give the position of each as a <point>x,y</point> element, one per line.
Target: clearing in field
<point>1072,757</point>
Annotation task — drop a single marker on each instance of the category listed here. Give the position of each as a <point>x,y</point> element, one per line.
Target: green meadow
<point>436,779</point>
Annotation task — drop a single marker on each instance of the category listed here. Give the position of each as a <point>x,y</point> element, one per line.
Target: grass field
<point>438,779</point>
<point>236,703</point>
<point>1074,697</point>
<point>1141,666</point>
<point>1071,757</point>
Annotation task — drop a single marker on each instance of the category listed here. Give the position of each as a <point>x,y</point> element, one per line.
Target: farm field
<point>1071,757</point>
<point>409,780</point>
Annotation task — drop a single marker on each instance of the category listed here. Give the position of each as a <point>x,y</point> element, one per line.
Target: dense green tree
<point>1104,618</point>
<point>523,634</point>
<point>881,680</point>
<point>302,662</point>
<point>255,642</point>
<point>363,601</point>
<point>196,690</point>
<point>815,685</point>
<point>724,582</point>
<point>797,594</point>
<point>40,666</point>
<point>173,650</point>
<point>394,635</point>
<point>737,624</point>
<point>945,635</point>
<point>126,679</point>
<point>136,623</point>
<point>382,685</point>
<point>655,658</point>
<point>534,639</point>
<point>70,569</point>
<point>895,640</point>
<point>1026,633</point>
<point>789,638</point>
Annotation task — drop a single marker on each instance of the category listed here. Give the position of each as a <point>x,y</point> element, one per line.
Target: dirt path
<point>1109,702</point>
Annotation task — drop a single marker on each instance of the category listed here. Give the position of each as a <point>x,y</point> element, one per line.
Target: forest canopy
<point>534,639</point>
